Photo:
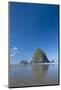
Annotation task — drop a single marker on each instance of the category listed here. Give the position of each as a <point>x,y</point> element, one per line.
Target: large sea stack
<point>39,57</point>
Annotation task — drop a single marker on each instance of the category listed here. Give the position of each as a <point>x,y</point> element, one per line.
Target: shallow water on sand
<point>33,74</point>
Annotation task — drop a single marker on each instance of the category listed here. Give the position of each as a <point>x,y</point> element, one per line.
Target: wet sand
<point>33,74</point>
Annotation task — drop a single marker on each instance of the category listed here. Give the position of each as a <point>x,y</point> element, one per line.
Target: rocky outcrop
<point>39,57</point>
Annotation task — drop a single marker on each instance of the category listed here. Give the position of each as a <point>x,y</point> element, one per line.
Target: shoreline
<point>34,63</point>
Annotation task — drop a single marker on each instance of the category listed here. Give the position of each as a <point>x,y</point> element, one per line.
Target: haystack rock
<point>39,57</point>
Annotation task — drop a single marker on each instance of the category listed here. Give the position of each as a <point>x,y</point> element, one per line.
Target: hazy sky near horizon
<point>33,26</point>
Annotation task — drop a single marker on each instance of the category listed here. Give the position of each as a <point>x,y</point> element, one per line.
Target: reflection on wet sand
<point>33,74</point>
<point>39,71</point>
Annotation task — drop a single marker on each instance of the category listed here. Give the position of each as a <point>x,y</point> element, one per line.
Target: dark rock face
<point>39,57</point>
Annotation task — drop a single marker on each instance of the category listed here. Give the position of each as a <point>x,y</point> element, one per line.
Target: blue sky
<point>33,26</point>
